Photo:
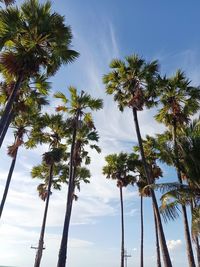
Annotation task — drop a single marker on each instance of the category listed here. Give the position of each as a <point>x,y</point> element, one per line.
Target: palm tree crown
<point>133,82</point>
<point>179,100</point>
<point>33,36</point>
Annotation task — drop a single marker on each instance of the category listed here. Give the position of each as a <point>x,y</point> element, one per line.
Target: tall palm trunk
<point>63,246</point>
<point>122,226</point>
<point>157,242</point>
<point>190,254</point>
<point>165,252</point>
<point>12,166</point>
<point>196,239</point>
<point>10,102</point>
<point>5,128</point>
<point>197,245</point>
<point>142,233</point>
<point>64,242</point>
<point>41,239</point>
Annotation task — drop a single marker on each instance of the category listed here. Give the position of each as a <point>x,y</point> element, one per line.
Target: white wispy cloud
<point>174,244</point>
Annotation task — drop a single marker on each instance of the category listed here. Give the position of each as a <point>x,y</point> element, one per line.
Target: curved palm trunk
<point>122,227</point>
<point>190,254</point>
<point>142,233</point>
<point>71,185</point>
<point>165,252</point>
<point>5,193</point>
<point>157,242</point>
<point>10,102</point>
<point>41,240</point>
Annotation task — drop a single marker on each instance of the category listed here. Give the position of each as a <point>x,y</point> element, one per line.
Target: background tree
<point>121,167</point>
<point>28,114</point>
<point>51,130</point>
<point>81,132</point>
<point>31,93</point>
<point>144,191</point>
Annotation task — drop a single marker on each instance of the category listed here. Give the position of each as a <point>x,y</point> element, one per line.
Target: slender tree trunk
<point>122,226</point>
<point>64,242</point>
<point>41,239</point>
<point>5,128</point>
<point>196,239</point>
<point>10,102</point>
<point>197,245</point>
<point>12,166</point>
<point>71,185</point>
<point>142,233</point>
<point>190,254</point>
<point>157,242</point>
<point>165,252</point>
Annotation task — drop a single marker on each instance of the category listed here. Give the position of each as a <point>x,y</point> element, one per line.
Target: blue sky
<point>163,30</point>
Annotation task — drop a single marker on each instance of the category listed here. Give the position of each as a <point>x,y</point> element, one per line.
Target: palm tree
<point>189,145</point>
<point>31,93</point>
<point>27,117</point>
<point>33,38</point>
<point>7,2</point>
<point>12,151</point>
<point>50,129</point>
<point>134,84</point>
<point>179,101</point>
<point>121,167</point>
<point>156,173</point>
<point>50,158</point>
<point>181,194</point>
<point>81,123</point>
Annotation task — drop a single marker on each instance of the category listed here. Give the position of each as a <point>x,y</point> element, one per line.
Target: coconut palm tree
<point>28,114</point>
<point>181,194</point>
<point>134,84</point>
<point>80,125</point>
<point>32,39</point>
<point>179,101</point>
<point>121,167</point>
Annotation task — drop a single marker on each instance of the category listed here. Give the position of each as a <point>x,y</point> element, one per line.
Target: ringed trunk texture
<point>71,186</point>
<point>122,227</point>
<point>190,254</point>
<point>165,252</point>
<point>5,193</point>
<point>142,233</point>
<point>157,242</point>
<point>41,239</point>
<point>10,102</point>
